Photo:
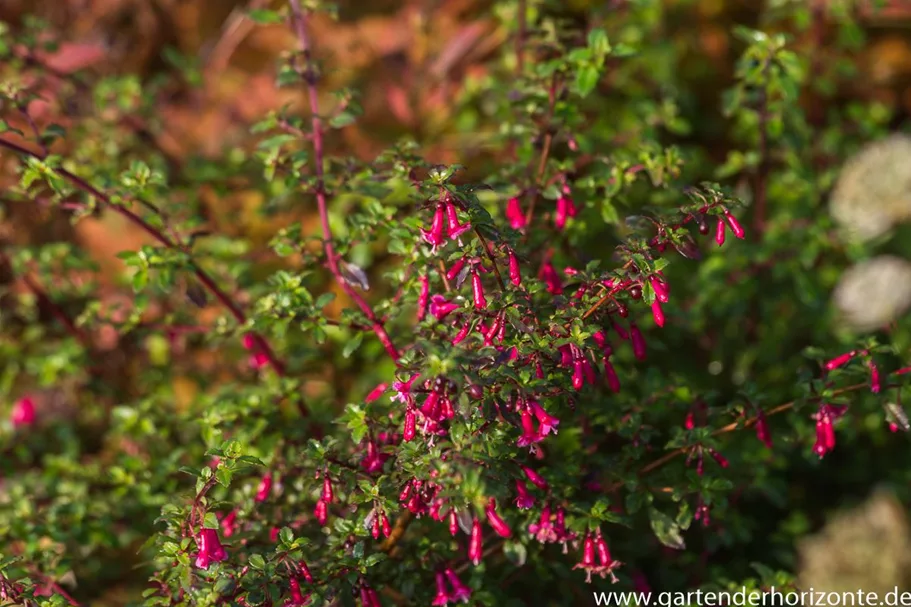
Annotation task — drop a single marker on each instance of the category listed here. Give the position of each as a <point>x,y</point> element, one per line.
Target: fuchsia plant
<point>502,371</point>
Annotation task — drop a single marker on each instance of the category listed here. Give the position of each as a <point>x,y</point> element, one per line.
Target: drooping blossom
<point>423,298</point>
<point>549,275</point>
<point>565,208</point>
<point>475,543</point>
<point>23,413</point>
<point>638,341</point>
<point>515,275</point>
<point>440,307</point>
<point>546,423</point>
<point>536,479</point>
<point>460,592</point>
<point>265,488</point>
<point>442,597</point>
<point>321,512</point>
<point>720,231</point>
<point>825,431</point>
<point>840,360</point>
<point>514,214</point>
<point>210,548</point>
<point>454,227</point>
<point>496,522</point>
<point>736,228</point>
<point>524,500</point>
<point>762,430</point>
<point>543,530</point>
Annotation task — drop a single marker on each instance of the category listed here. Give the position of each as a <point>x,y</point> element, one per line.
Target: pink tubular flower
<point>496,522</point>
<point>321,512</point>
<point>874,378</point>
<point>410,422</point>
<point>23,413</point>
<point>475,543</point>
<point>762,430</point>
<point>376,393</point>
<point>210,548</point>
<point>265,488</point>
<point>543,530</point>
<point>661,291</point>
<point>328,494</point>
<point>456,268</point>
<point>435,236</point>
<point>613,382</point>
<point>536,479</point>
<point>477,291</point>
<point>455,228</point>
<point>719,231</point>
<point>658,313</point>
<point>423,298</point>
<point>462,334</point>
<point>385,526</point>
<point>460,592</point>
<point>229,524</point>
<point>638,342</point>
<point>440,308</point>
<point>825,431</point>
<point>515,275</point>
<point>549,275</point>
<point>305,571</point>
<point>578,375</point>
<point>442,597</point>
<point>722,461</point>
<point>588,558</point>
<point>529,435</point>
<point>453,522</point>
<point>840,360</point>
<point>297,598</point>
<point>565,208</point>
<point>514,214</point>
<point>524,499</point>
<point>735,225</point>
<point>546,423</point>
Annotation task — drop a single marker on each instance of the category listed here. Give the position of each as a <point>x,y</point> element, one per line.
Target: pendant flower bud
<point>736,228</point>
<point>638,342</point>
<point>534,478</point>
<point>440,308</point>
<point>840,360</point>
<point>524,499</point>
<point>549,275</point>
<point>546,423</point>
<point>514,214</point>
<point>442,597</point>
<point>658,313</point>
<point>456,268</point>
<point>460,592</point>
<point>613,382</point>
<point>875,385</point>
<point>496,523</point>
<point>515,275</point>
<point>423,298</point>
<point>475,543</point>
<point>455,228</point>
<point>720,231</point>
<point>265,488</point>
<point>661,291</point>
<point>435,236</point>
<point>477,291</point>
<point>762,430</point>
<point>321,512</point>
<point>23,413</point>
<point>327,489</point>
<point>210,548</point>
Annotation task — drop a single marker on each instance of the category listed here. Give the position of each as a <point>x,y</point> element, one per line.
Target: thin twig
<point>299,17</point>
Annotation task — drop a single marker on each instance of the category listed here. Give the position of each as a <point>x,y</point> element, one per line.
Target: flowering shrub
<point>597,359</point>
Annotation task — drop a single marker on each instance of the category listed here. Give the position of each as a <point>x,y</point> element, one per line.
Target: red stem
<point>158,235</point>
<point>300,25</point>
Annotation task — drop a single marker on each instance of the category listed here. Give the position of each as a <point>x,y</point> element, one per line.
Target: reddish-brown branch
<point>299,18</point>
<point>207,281</point>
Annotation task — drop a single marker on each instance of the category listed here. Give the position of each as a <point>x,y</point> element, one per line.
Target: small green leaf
<point>666,530</point>
<point>264,16</point>
<point>352,344</point>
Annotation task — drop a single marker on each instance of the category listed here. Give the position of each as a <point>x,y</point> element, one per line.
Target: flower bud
<point>475,543</point>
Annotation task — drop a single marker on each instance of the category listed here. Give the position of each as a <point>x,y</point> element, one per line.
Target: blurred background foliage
<point>423,69</point>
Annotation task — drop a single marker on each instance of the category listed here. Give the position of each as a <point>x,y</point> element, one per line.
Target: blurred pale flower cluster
<point>873,293</point>
<point>873,191</point>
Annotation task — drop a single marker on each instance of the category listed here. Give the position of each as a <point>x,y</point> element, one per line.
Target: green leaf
<point>223,476</point>
<point>587,79</point>
<point>257,561</point>
<point>352,344</point>
<point>342,119</point>
<point>210,521</point>
<point>666,530</point>
<point>264,16</point>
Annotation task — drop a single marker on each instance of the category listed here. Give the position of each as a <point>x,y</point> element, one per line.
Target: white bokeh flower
<point>873,293</point>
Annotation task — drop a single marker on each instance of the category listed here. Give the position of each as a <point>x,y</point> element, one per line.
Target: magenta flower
<point>435,235</point>
<point>638,341</point>
<point>305,571</point>
<point>297,598</point>
<point>23,413</point>
<point>453,522</point>
<point>549,275</point>
<point>410,422</point>
<point>460,592</point>
<point>265,488</point>
<point>762,430</point>
<point>321,512</point>
<point>384,525</point>
<point>524,499</point>
<point>662,293</point>
<point>874,378</point>
<point>423,298</point>
<point>658,313</point>
<point>442,597</point>
<point>514,274</point>
<point>210,548</point>
<point>403,390</point>
<point>477,291</point>
<point>440,308</point>
<point>588,558</point>
<point>455,228</point>
<point>475,543</point>
<point>229,524</point>
<point>496,522</point>
<point>328,494</point>
<point>543,530</point>
<point>719,231</point>
<point>546,422</point>
<point>529,435</point>
<point>376,392</point>
<point>456,268</point>
<point>613,382</point>
<point>840,360</point>
<point>462,334</point>
<point>514,214</point>
<point>565,208</point>
<point>536,479</point>
<point>736,228</point>
<point>578,376</point>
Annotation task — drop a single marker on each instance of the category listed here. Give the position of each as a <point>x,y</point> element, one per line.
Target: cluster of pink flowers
<point>445,224</point>
<point>605,565</point>
<point>456,590</point>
